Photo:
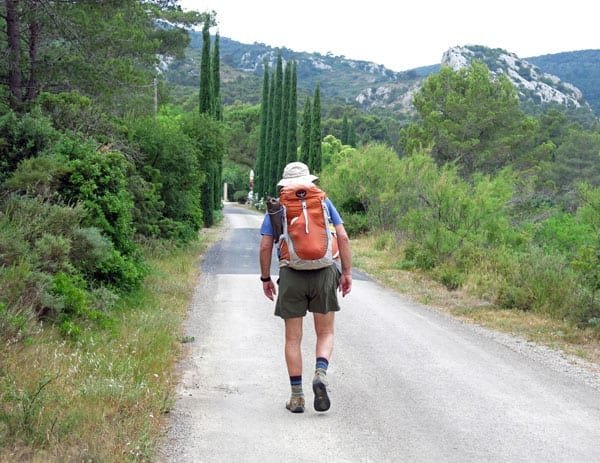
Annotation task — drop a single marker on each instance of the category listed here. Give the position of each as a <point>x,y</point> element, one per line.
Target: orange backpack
<point>308,239</point>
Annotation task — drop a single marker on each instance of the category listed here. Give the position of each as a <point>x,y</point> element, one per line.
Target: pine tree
<point>215,69</point>
<point>315,158</point>
<point>345,138</point>
<point>292,141</point>
<point>306,131</point>
<point>287,80</point>
<point>205,77</point>
<point>276,134</point>
<point>259,171</point>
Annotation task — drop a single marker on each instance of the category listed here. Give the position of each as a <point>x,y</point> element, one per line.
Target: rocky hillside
<point>577,67</point>
<point>366,85</point>
<point>532,84</point>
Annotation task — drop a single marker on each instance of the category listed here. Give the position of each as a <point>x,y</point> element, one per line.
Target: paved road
<point>406,383</point>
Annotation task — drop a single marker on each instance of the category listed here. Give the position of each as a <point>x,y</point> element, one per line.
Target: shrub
<point>88,248</point>
<point>34,217</point>
<point>39,176</point>
<point>170,159</point>
<point>542,283</point>
<point>98,180</point>
<point>121,272</point>
<point>356,223</point>
<point>449,276</point>
<point>52,253</point>
<point>240,196</point>
<point>23,137</point>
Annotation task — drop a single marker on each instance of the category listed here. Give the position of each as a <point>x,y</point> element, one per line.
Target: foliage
<point>243,130</point>
<point>105,50</point>
<point>468,118</point>
<point>170,158</point>
<point>22,138</point>
<point>98,179</point>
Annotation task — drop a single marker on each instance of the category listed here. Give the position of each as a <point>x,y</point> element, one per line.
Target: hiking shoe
<point>295,404</point>
<point>319,385</point>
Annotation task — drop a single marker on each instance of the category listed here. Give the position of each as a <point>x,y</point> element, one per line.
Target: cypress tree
<point>345,139</point>
<point>269,140</point>
<point>205,77</point>
<point>292,141</point>
<point>351,135</point>
<point>262,146</point>
<point>215,69</point>
<point>207,200</point>
<point>306,131</point>
<point>287,80</point>
<point>217,113</point>
<point>276,134</point>
<point>315,136</point>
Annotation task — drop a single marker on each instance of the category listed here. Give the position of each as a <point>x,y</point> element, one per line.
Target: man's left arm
<point>346,258</point>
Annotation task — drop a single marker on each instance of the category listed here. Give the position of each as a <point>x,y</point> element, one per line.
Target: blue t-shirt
<point>267,229</point>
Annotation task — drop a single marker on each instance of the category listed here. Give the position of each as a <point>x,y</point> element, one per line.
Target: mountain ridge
<point>373,87</point>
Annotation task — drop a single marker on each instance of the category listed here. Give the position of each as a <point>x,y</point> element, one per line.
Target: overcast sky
<point>406,34</point>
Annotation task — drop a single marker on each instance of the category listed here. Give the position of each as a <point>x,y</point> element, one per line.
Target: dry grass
<point>377,256</point>
<point>104,397</point>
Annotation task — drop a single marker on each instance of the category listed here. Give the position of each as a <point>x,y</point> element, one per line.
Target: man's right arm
<point>266,251</point>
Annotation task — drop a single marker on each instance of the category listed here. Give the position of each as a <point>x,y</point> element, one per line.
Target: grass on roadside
<point>378,256</point>
<point>103,397</point>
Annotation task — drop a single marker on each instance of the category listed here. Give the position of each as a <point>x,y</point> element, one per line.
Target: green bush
<point>98,180</point>
<point>52,253</point>
<point>88,249</point>
<point>39,176</point>
<point>449,276</point>
<point>22,137</point>
<point>543,283</point>
<point>356,223</point>
<point>121,272</point>
<point>170,160</point>
<point>240,196</point>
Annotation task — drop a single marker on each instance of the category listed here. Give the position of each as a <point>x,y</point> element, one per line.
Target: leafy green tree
<point>205,75</point>
<point>576,160</point>
<point>306,132</point>
<point>209,139</point>
<point>315,156</point>
<point>469,118</point>
<point>173,160</point>
<point>292,140</point>
<point>105,50</point>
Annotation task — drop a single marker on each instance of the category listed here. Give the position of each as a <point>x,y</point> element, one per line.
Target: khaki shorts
<point>307,290</point>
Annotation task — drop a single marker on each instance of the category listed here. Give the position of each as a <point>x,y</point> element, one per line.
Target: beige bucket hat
<point>295,173</point>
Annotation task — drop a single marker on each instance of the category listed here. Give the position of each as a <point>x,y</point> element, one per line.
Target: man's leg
<point>324,330</point>
<point>293,360</point>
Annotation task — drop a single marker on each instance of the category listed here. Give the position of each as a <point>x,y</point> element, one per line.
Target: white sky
<point>406,34</point>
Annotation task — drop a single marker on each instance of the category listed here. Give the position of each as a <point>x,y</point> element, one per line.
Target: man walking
<point>302,291</point>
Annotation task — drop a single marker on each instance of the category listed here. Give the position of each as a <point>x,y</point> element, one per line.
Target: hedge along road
<point>406,383</point>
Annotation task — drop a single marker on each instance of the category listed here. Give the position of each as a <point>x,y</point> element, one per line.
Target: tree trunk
<point>14,52</point>
<point>34,32</point>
